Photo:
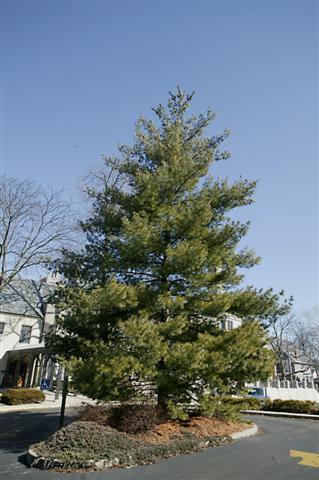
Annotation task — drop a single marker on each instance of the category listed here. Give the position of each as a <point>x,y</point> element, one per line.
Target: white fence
<point>286,390</point>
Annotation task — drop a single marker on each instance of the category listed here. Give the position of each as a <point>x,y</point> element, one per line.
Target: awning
<point>38,347</point>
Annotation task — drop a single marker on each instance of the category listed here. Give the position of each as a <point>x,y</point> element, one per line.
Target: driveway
<point>265,456</point>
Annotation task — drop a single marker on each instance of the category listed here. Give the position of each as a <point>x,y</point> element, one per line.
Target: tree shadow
<point>19,430</point>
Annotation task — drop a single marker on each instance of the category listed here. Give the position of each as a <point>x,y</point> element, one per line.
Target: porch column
<point>30,371</point>
<point>34,370</point>
<point>17,370</point>
<point>43,368</point>
<point>37,376</point>
<point>51,372</point>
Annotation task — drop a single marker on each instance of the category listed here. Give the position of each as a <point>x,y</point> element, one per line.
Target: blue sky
<point>76,75</point>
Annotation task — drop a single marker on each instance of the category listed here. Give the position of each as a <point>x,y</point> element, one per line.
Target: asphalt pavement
<point>272,454</point>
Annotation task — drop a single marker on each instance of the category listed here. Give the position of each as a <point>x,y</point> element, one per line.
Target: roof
<point>25,297</point>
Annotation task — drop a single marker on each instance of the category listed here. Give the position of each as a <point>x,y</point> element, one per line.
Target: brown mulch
<point>170,429</point>
<point>200,426</point>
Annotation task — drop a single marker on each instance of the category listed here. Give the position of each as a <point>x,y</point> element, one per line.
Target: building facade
<point>25,318</point>
<point>292,365</point>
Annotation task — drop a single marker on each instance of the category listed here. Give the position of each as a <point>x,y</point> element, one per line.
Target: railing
<point>289,390</point>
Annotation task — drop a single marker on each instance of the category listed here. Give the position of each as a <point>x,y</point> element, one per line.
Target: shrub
<point>135,418</point>
<point>95,413</point>
<point>129,418</point>
<point>176,411</point>
<point>245,403</point>
<point>226,408</point>
<point>253,403</point>
<point>17,396</point>
<point>292,406</point>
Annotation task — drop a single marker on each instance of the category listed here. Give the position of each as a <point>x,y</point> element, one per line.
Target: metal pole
<point>64,394</point>
<point>58,382</point>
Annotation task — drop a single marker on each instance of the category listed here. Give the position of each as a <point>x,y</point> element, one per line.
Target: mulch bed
<point>92,444</point>
<point>200,426</point>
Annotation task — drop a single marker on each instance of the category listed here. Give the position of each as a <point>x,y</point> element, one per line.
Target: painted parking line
<point>308,459</point>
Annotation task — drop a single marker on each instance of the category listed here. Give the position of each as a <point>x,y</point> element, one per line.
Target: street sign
<point>45,384</point>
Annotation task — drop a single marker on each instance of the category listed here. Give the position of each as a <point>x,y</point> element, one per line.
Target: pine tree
<point>161,267</point>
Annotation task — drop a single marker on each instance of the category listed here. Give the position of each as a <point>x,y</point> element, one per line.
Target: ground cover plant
<point>81,443</point>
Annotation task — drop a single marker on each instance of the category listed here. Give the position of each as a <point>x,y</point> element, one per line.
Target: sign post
<point>58,382</point>
<point>64,394</point>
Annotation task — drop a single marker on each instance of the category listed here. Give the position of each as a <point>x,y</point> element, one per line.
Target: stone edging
<point>249,432</point>
<point>35,460</point>
<point>282,414</point>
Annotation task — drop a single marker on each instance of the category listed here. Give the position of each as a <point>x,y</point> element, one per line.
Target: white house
<point>294,365</point>
<point>230,322</point>
<point>25,317</point>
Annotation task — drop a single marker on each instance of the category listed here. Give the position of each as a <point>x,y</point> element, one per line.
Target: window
<point>2,324</point>
<point>25,334</point>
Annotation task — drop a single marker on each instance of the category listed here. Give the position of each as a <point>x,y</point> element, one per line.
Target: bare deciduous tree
<point>279,329</point>
<point>295,341</point>
<point>34,226</point>
<point>306,334</point>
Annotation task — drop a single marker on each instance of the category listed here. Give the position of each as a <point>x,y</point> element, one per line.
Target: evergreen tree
<point>161,268</point>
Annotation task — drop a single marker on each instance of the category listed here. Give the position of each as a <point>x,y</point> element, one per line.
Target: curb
<point>27,407</point>
<point>46,405</point>
<point>36,407</point>
<point>249,432</point>
<point>282,414</point>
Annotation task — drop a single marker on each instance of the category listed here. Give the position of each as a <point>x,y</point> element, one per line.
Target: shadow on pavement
<point>23,460</point>
<point>19,430</point>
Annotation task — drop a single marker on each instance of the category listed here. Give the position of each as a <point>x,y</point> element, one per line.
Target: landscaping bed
<point>92,445</point>
<point>20,396</point>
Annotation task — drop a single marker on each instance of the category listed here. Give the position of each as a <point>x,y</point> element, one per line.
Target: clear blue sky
<point>77,74</point>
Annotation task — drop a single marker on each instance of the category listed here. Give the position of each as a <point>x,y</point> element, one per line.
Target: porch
<point>26,366</point>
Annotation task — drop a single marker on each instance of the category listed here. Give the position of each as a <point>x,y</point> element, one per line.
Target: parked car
<point>257,392</point>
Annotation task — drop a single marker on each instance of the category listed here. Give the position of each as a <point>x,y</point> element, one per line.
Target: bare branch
<point>35,224</point>
<point>306,337</point>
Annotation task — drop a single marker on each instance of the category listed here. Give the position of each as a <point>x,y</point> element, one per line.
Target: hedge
<point>244,403</point>
<point>292,406</point>
<point>17,396</point>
